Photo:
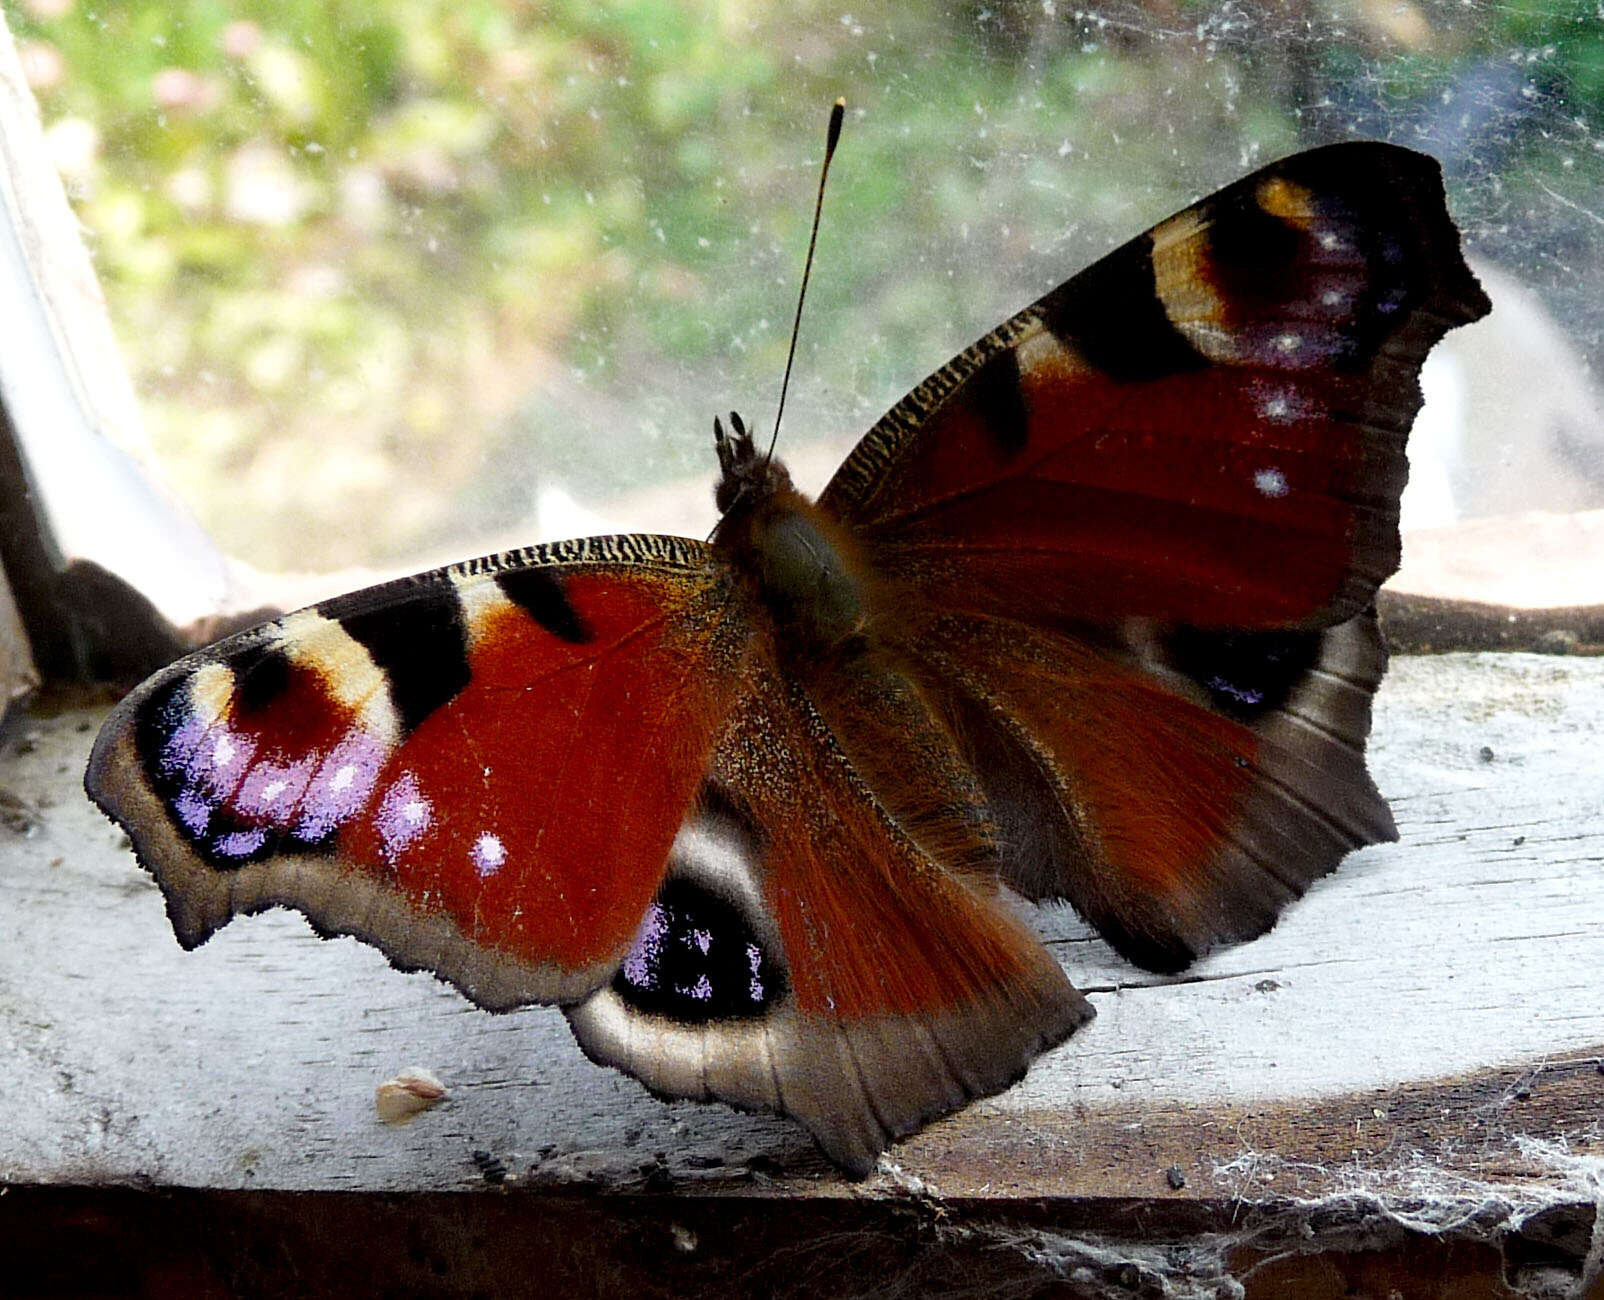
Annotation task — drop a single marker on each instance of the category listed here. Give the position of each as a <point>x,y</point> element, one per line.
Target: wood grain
<point>1415,1049</point>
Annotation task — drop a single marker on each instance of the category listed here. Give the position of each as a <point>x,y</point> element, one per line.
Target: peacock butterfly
<point>1087,616</point>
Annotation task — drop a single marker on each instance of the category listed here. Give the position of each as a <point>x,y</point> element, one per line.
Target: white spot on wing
<point>1271,482</point>
<point>488,854</point>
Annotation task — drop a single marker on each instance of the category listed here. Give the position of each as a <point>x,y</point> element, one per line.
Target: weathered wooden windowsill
<point>1407,1074</point>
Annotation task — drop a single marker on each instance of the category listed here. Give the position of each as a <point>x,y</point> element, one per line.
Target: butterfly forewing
<point>480,769</point>
<point>1205,427</point>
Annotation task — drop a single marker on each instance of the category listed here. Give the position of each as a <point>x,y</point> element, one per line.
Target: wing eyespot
<point>697,959</point>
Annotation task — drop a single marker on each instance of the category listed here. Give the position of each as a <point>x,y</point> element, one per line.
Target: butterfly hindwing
<point>1205,427</point>
<point>805,956</point>
<point>1175,817</point>
<point>480,769</point>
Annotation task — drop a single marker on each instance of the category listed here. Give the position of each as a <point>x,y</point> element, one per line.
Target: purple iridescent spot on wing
<point>236,798</point>
<point>640,965</point>
<point>193,811</point>
<point>340,787</point>
<point>404,814</point>
<point>271,791</point>
<point>239,844</point>
<point>696,958</point>
<point>220,761</point>
<point>188,731</point>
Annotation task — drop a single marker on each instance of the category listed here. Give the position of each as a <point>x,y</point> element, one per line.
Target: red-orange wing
<point>805,956</point>
<point>479,770</point>
<point>1176,812</point>
<point>1134,533</point>
<point>576,774</point>
<point>1205,427</point>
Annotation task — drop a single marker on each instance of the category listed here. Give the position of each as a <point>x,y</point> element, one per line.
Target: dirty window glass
<point>401,282</point>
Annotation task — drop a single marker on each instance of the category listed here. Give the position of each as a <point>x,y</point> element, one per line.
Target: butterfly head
<point>747,477</point>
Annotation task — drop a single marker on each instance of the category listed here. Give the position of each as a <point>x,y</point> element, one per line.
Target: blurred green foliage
<point>376,265</point>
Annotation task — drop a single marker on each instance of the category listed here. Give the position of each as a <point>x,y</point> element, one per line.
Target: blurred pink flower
<point>46,9</point>
<point>240,38</point>
<point>182,91</point>
<point>41,65</point>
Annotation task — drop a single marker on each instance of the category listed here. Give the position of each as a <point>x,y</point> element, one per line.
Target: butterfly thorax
<point>796,562</point>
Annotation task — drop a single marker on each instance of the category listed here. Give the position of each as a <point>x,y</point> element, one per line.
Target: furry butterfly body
<point>1087,616</point>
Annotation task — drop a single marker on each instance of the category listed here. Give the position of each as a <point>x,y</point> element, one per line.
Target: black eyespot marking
<point>1112,315</point>
<point>260,678</point>
<point>1395,287</point>
<point>1246,674</point>
<point>1250,247</point>
<point>696,959</point>
<point>193,770</point>
<point>539,593</point>
<point>999,400</point>
<point>417,639</point>
<point>159,717</point>
<point>231,800</point>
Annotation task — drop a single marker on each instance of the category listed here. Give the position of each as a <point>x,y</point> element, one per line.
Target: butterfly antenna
<point>833,137</point>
